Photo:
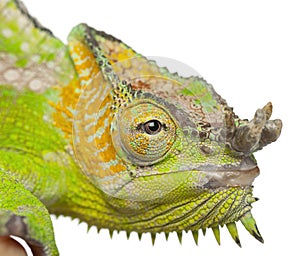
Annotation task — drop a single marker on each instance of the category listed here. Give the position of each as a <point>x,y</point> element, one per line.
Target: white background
<point>250,52</point>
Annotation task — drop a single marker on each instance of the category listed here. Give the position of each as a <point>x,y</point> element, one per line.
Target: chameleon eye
<point>152,127</point>
<point>144,133</point>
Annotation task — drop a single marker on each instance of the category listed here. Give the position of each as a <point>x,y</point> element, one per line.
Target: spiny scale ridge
<point>247,220</point>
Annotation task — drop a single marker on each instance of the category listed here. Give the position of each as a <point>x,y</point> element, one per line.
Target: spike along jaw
<point>169,147</point>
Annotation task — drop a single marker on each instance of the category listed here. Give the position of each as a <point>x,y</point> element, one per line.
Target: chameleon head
<point>168,138</point>
<point>156,134</point>
<point>161,146</point>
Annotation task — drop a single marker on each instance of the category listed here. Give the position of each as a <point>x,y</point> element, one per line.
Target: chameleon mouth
<point>234,178</point>
<point>242,175</point>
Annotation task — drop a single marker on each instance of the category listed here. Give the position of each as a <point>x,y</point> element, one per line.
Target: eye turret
<point>144,133</point>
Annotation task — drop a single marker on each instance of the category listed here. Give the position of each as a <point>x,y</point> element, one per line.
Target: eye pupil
<point>152,127</point>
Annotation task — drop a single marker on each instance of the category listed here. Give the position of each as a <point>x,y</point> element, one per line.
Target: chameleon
<point>96,131</point>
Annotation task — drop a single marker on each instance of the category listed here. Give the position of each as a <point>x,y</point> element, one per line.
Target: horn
<point>257,133</point>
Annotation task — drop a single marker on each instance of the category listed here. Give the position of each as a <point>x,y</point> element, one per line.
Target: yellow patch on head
<point>116,51</point>
<point>84,60</point>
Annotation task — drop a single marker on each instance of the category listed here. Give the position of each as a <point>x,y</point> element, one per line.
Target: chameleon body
<point>95,131</point>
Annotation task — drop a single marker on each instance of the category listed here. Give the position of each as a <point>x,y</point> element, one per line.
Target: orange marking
<point>69,95</point>
<point>62,117</point>
<point>122,55</point>
<point>110,153</point>
<point>114,50</point>
<point>87,69</point>
<point>84,60</point>
<point>117,168</point>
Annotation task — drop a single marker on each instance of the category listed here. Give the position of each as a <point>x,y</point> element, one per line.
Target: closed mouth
<point>234,178</point>
<point>241,175</point>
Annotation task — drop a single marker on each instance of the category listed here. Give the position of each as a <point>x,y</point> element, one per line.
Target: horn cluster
<point>255,134</point>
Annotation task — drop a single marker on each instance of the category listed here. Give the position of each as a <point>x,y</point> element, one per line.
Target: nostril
<point>206,150</point>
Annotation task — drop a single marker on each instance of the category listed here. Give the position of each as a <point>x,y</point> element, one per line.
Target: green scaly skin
<point>194,172</point>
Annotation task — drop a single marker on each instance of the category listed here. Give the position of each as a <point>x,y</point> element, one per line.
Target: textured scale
<point>96,131</point>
